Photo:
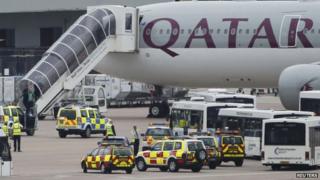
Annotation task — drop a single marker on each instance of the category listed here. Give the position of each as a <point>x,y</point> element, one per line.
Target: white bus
<point>310,101</point>
<point>195,116</point>
<point>291,142</point>
<point>225,97</point>
<point>249,122</point>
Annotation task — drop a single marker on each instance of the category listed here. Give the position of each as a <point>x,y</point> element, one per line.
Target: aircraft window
<point>254,31</point>
<point>204,30</point>
<point>197,31</point>
<point>168,31</point>
<point>312,31</point>
<point>211,31</point>
<point>182,31</point>
<point>319,31</point>
<point>161,31</point>
<point>240,31</point>
<point>248,31</point>
<point>218,31</point>
<point>189,31</point>
<point>226,31</point>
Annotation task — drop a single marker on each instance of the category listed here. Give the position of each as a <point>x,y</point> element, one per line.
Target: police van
<point>194,116</point>
<point>79,120</point>
<point>249,122</point>
<point>291,142</point>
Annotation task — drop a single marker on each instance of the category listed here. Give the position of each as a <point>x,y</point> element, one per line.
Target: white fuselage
<point>219,43</point>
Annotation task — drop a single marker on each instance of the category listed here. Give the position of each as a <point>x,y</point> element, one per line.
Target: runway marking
<point>204,175</point>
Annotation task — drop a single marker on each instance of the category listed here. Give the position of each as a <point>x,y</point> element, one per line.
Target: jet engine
<point>297,78</point>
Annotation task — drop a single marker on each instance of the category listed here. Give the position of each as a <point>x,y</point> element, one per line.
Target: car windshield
<point>122,152</point>
<point>195,145</point>
<point>232,140</point>
<point>209,142</point>
<point>158,132</point>
<point>68,113</point>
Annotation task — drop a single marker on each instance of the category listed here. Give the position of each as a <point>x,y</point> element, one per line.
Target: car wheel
<point>201,155</point>
<point>163,169</point>
<point>84,167</point>
<point>173,166</point>
<point>141,165</point>
<point>103,169</point>
<point>239,163</point>
<point>62,134</point>
<point>212,165</point>
<point>87,133</point>
<point>129,171</point>
<point>196,168</point>
<point>30,132</point>
<point>275,167</point>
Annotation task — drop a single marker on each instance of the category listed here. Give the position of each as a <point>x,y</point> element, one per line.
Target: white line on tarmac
<point>202,176</point>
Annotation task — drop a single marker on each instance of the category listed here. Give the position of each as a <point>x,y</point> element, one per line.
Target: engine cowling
<point>296,78</point>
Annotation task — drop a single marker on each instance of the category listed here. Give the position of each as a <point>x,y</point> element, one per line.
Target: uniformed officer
<point>17,135</point>
<point>136,140</point>
<point>5,128</point>
<point>110,129</point>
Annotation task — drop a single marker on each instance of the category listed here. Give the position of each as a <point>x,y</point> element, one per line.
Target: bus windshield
<point>285,134</point>
<point>182,118</point>
<point>312,105</point>
<point>212,117</point>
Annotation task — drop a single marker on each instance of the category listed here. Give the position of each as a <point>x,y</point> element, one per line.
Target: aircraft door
<point>288,31</point>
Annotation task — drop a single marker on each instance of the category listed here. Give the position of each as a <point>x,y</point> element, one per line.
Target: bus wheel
<point>275,167</point>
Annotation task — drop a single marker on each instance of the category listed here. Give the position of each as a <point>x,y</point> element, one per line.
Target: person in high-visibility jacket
<point>110,131</point>
<point>17,135</point>
<point>5,128</point>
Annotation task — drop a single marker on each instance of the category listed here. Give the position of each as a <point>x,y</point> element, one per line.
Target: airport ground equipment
<point>232,147</point>
<point>109,158</point>
<point>173,155</point>
<point>249,122</point>
<point>291,142</point>
<point>194,116</point>
<point>103,29</point>
<point>5,155</point>
<point>310,101</point>
<point>79,120</point>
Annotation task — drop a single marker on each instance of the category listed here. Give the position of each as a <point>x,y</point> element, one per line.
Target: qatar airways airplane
<point>225,44</point>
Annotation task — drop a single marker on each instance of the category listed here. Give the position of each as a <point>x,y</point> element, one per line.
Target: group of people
<point>13,130</point>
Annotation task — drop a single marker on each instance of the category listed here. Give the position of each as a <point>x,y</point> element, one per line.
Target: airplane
<point>225,44</point>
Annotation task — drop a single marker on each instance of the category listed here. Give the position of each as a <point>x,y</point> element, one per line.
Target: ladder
<point>103,29</point>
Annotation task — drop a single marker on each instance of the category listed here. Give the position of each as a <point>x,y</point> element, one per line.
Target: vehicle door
<point>167,149</point>
<point>92,159</point>
<point>22,118</point>
<point>100,122</point>
<point>92,117</point>
<point>156,154</point>
<point>84,117</point>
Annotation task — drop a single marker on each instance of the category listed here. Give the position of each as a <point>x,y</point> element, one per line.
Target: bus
<point>249,122</point>
<point>291,142</point>
<point>196,116</point>
<point>225,97</point>
<point>310,101</point>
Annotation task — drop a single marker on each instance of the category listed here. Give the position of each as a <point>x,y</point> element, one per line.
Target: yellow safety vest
<point>109,130</point>
<point>5,129</point>
<point>182,123</point>
<point>16,129</point>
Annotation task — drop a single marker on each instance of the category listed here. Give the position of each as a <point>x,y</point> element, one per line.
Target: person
<point>17,135</point>
<point>5,128</point>
<point>28,99</point>
<point>110,131</point>
<point>136,140</point>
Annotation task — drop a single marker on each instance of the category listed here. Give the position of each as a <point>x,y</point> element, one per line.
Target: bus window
<point>311,104</point>
<point>235,100</point>
<point>232,124</point>
<point>212,114</point>
<point>285,134</point>
<point>196,120</point>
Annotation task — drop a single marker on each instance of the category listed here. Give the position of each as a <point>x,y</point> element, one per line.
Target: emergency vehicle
<point>115,140</point>
<point>79,120</point>
<point>8,114</point>
<point>109,158</point>
<point>212,148</point>
<point>232,147</point>
<point>154,133</point>
<point>291,142</point>
<point>172,155</point>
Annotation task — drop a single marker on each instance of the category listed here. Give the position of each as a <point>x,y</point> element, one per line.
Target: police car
<point>79,120</point>
<point>109,158</point>
<point>172,155</point>
<point>232,147</point>
<point>154,133</point>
